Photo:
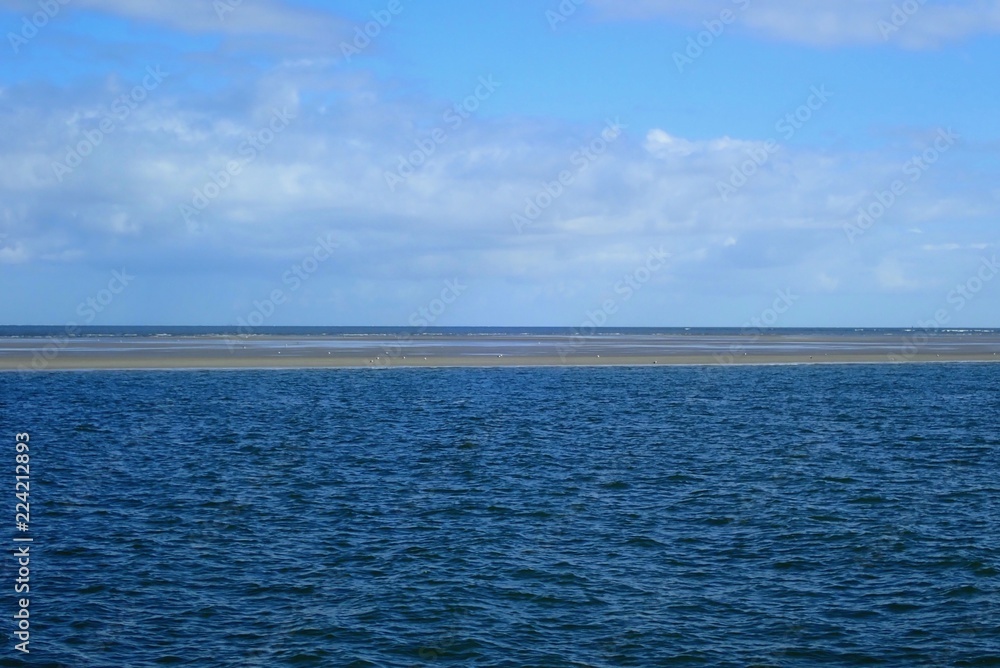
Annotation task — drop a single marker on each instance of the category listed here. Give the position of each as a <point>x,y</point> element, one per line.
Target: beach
<point>384,351</point>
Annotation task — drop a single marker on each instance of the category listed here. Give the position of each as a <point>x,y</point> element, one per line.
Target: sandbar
<point>386,351</point>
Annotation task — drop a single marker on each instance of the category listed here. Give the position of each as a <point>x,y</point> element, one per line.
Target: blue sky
<point>616,162</point>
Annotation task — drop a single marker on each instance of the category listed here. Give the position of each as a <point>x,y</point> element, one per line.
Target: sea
<point>73,331</point>
<point>793,515</point>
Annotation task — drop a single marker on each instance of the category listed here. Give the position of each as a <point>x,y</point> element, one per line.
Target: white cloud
<point>15,254</point>
<point>662,144</point>
<point>325,173</point>
<point>827,282</point>
<point>822,23</point>
<point>307,27</point>
<point>892,275</point>
<point>947,247</point>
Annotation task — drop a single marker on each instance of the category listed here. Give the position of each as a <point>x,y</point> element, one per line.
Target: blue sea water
<point>717,516</point>
<point>72,330</point>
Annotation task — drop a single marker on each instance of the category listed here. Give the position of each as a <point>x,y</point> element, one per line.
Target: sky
<point>788,163</point>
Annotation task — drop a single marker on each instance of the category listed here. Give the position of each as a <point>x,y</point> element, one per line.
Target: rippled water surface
<point>772,516</point>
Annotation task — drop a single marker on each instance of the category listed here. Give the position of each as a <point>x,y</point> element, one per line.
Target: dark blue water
<point>769,516</point>
<point>73,331</point>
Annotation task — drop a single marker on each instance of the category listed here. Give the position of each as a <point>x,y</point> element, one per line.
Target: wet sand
<point>265,352</point>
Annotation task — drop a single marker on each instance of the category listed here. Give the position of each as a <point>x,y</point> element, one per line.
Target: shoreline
<point>290,363</point>
<point>308,352</point>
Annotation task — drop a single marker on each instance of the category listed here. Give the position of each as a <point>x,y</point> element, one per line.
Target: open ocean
<point>717,516</point>
<point>396,332</point>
